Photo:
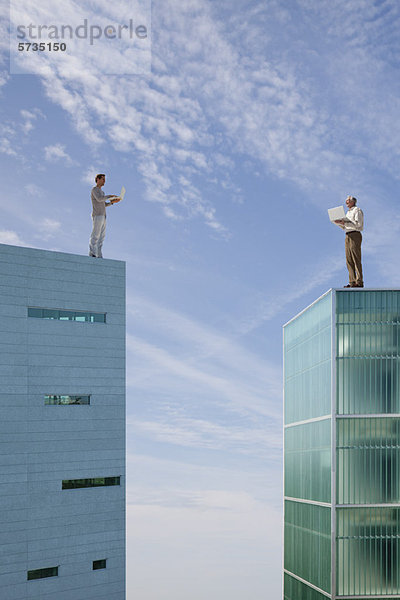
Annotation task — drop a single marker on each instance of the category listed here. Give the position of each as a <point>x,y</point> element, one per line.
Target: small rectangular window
<point>99,317</point>
<point>66,315</point>
<point>73,484</point>
<point>99,564</point>
<point>53,400</point>
<point>42,573</point>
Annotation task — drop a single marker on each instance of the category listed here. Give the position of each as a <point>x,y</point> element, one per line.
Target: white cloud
<point>56,152</point>
<point>8,136</point>
<point>4,77</point>
<point>50,225</point>
<point>6,147</point>
<point>11,237</point>
<point>29,118</point>
<point>34,190</point>
<point>90,173</point>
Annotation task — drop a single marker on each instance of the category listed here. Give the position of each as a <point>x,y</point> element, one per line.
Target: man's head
<point>351,201</point>
<point>100,179</point>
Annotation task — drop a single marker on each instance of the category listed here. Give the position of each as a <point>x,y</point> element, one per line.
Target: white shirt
<point>356,216</point>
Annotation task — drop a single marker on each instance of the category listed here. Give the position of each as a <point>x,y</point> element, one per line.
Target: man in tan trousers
<point>353,226</point>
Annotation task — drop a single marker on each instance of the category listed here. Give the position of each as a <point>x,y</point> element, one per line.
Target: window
<point>73,484</point>
<point>42,573</point>
<point>64,400</point>
<point>66,315</point>
<point>99,564</point>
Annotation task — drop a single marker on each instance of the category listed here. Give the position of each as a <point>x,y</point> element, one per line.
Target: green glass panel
<point>307,543</point>
<point>293,589</point>
<point>368,306</point>
<point>42,573</point>
<point>368,385</point>
<point>307,363</point>
<point>368,551</point>
<point>99,317</point>
<point>35,312</point>
<point>53,400</point>
<point>368,461</point>
<point>49,313</point>
<point>72,484</point>
<point>368,357</point>
<point>308,461</point>
<point>367,339</point>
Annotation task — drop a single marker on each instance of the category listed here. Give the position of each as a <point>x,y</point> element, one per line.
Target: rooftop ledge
<point>9,250</point>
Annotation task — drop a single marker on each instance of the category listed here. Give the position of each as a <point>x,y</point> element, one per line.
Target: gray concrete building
<point>62,426</point>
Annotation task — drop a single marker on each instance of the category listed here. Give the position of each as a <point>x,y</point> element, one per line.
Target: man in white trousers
<point>99,215</point>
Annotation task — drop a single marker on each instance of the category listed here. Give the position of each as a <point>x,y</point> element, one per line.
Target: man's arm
<point>340,222</point>
<point>113,200</point>
<point>100,197</point>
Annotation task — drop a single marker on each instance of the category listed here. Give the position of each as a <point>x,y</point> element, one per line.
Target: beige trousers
<point>353,257</point>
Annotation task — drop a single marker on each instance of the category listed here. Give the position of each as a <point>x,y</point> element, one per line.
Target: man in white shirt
<point>99,215</point>
<point>353,226</point>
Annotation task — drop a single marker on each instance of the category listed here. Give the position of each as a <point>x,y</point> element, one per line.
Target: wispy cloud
<point>11,141</point>
<point>34,190</point>
<point>178,123</point>
<point>246,438</point>
<point>184,350</point>
<point>323,277</point>
<point>48,228</point>
<point>56,152</point>
<point>8,136</point>
<point>29,118</point>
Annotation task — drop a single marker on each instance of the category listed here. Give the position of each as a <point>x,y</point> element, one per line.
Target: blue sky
<point>256,116</point>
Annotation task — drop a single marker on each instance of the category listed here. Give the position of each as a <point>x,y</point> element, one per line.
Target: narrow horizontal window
<point>42,573</point>
<point>73,484</point>
<point>64,400</point>
<point>99,564</point>
<point>66,315</point>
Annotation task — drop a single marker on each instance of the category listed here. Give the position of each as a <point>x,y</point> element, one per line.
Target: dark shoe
<point>349,285</point>
<point>92,255</point>
<point>359,285</point>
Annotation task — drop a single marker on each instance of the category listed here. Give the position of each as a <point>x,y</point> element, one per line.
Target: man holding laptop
<point>99,215</point>
<point>353,224</point>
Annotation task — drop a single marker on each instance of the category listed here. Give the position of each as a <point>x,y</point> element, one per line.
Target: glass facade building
<point>341,448</point>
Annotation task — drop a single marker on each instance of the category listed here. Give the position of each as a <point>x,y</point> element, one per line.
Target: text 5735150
<point>42,47</point>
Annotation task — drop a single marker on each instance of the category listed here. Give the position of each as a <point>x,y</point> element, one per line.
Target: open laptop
<point>337,213</point>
